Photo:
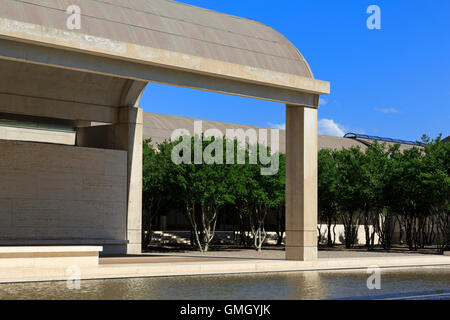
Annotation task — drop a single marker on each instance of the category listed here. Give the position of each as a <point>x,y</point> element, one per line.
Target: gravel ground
<point>278,254</point>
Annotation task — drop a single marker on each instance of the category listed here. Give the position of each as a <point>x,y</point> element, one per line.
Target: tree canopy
<point>382,188</point>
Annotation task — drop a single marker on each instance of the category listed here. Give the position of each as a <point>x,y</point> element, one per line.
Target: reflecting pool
<point>273,286</point>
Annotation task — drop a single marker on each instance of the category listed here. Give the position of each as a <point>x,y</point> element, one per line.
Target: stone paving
<point>270,254</point>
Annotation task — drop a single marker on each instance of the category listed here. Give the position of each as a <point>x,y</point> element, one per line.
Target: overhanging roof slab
<point>168,35</point>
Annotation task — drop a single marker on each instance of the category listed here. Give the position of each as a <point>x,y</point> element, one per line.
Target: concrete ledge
<point>110,247</point>
<point>141,270</point>
<point>59,242</point>
<point>15,259</point>
<point>60,249</point>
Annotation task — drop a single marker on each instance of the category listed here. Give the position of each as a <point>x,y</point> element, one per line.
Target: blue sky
<point>393,82</point>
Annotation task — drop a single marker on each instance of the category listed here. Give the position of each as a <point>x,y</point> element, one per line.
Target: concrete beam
<point>49,108</point>
<point>146,55</point>
<point>34,135</point>
<point>72,60</point>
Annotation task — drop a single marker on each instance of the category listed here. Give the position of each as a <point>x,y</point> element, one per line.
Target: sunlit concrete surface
<point>33,135</point>
<point>56,269</point>
<point>20,258</point>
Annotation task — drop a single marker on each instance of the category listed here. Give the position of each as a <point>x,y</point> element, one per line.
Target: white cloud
<point>325,126</point>
<point>330,128</point>
<point>281,126</point>
<point>322,102</point>
<point>387,110</point>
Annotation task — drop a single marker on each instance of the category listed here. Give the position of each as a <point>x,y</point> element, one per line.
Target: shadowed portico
<point>98,73</point>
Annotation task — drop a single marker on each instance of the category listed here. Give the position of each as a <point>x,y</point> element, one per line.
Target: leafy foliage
<point>207,189</point>
<point>383,188</point>
<point>388,189</point>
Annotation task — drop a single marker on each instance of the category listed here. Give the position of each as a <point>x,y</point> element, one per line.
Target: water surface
<point>273,286</point>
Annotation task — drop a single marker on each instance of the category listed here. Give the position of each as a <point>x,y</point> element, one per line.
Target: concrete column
<point>301,183</point>
<point>128,136</point>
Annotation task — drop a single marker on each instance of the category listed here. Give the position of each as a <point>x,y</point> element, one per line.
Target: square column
<point>128,136</point>
<point>301,183</point>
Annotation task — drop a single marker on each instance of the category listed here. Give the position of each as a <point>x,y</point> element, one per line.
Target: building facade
<point>66,76</point>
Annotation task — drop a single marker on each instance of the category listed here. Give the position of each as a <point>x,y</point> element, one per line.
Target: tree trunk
<point>257,226</point>
<point>281,225</point>
<point>330,242</point>
<point>190,212</point>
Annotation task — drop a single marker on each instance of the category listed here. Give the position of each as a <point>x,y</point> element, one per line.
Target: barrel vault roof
<point>172,26</point>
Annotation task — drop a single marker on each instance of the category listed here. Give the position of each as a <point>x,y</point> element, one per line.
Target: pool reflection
<point>285,286</point>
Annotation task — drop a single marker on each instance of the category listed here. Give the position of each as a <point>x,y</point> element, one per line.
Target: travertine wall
<point>55,192</point>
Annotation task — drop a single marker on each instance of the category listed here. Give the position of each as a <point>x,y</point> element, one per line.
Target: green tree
<point>371,202</point>
<point>406,194</point>
<point>204,188</point>
<point>280,199</point>
<point>155,172</point>
<point>266,193</point>
<point>328,193</point>
<point>435,183</point>
<point>349,191</point>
